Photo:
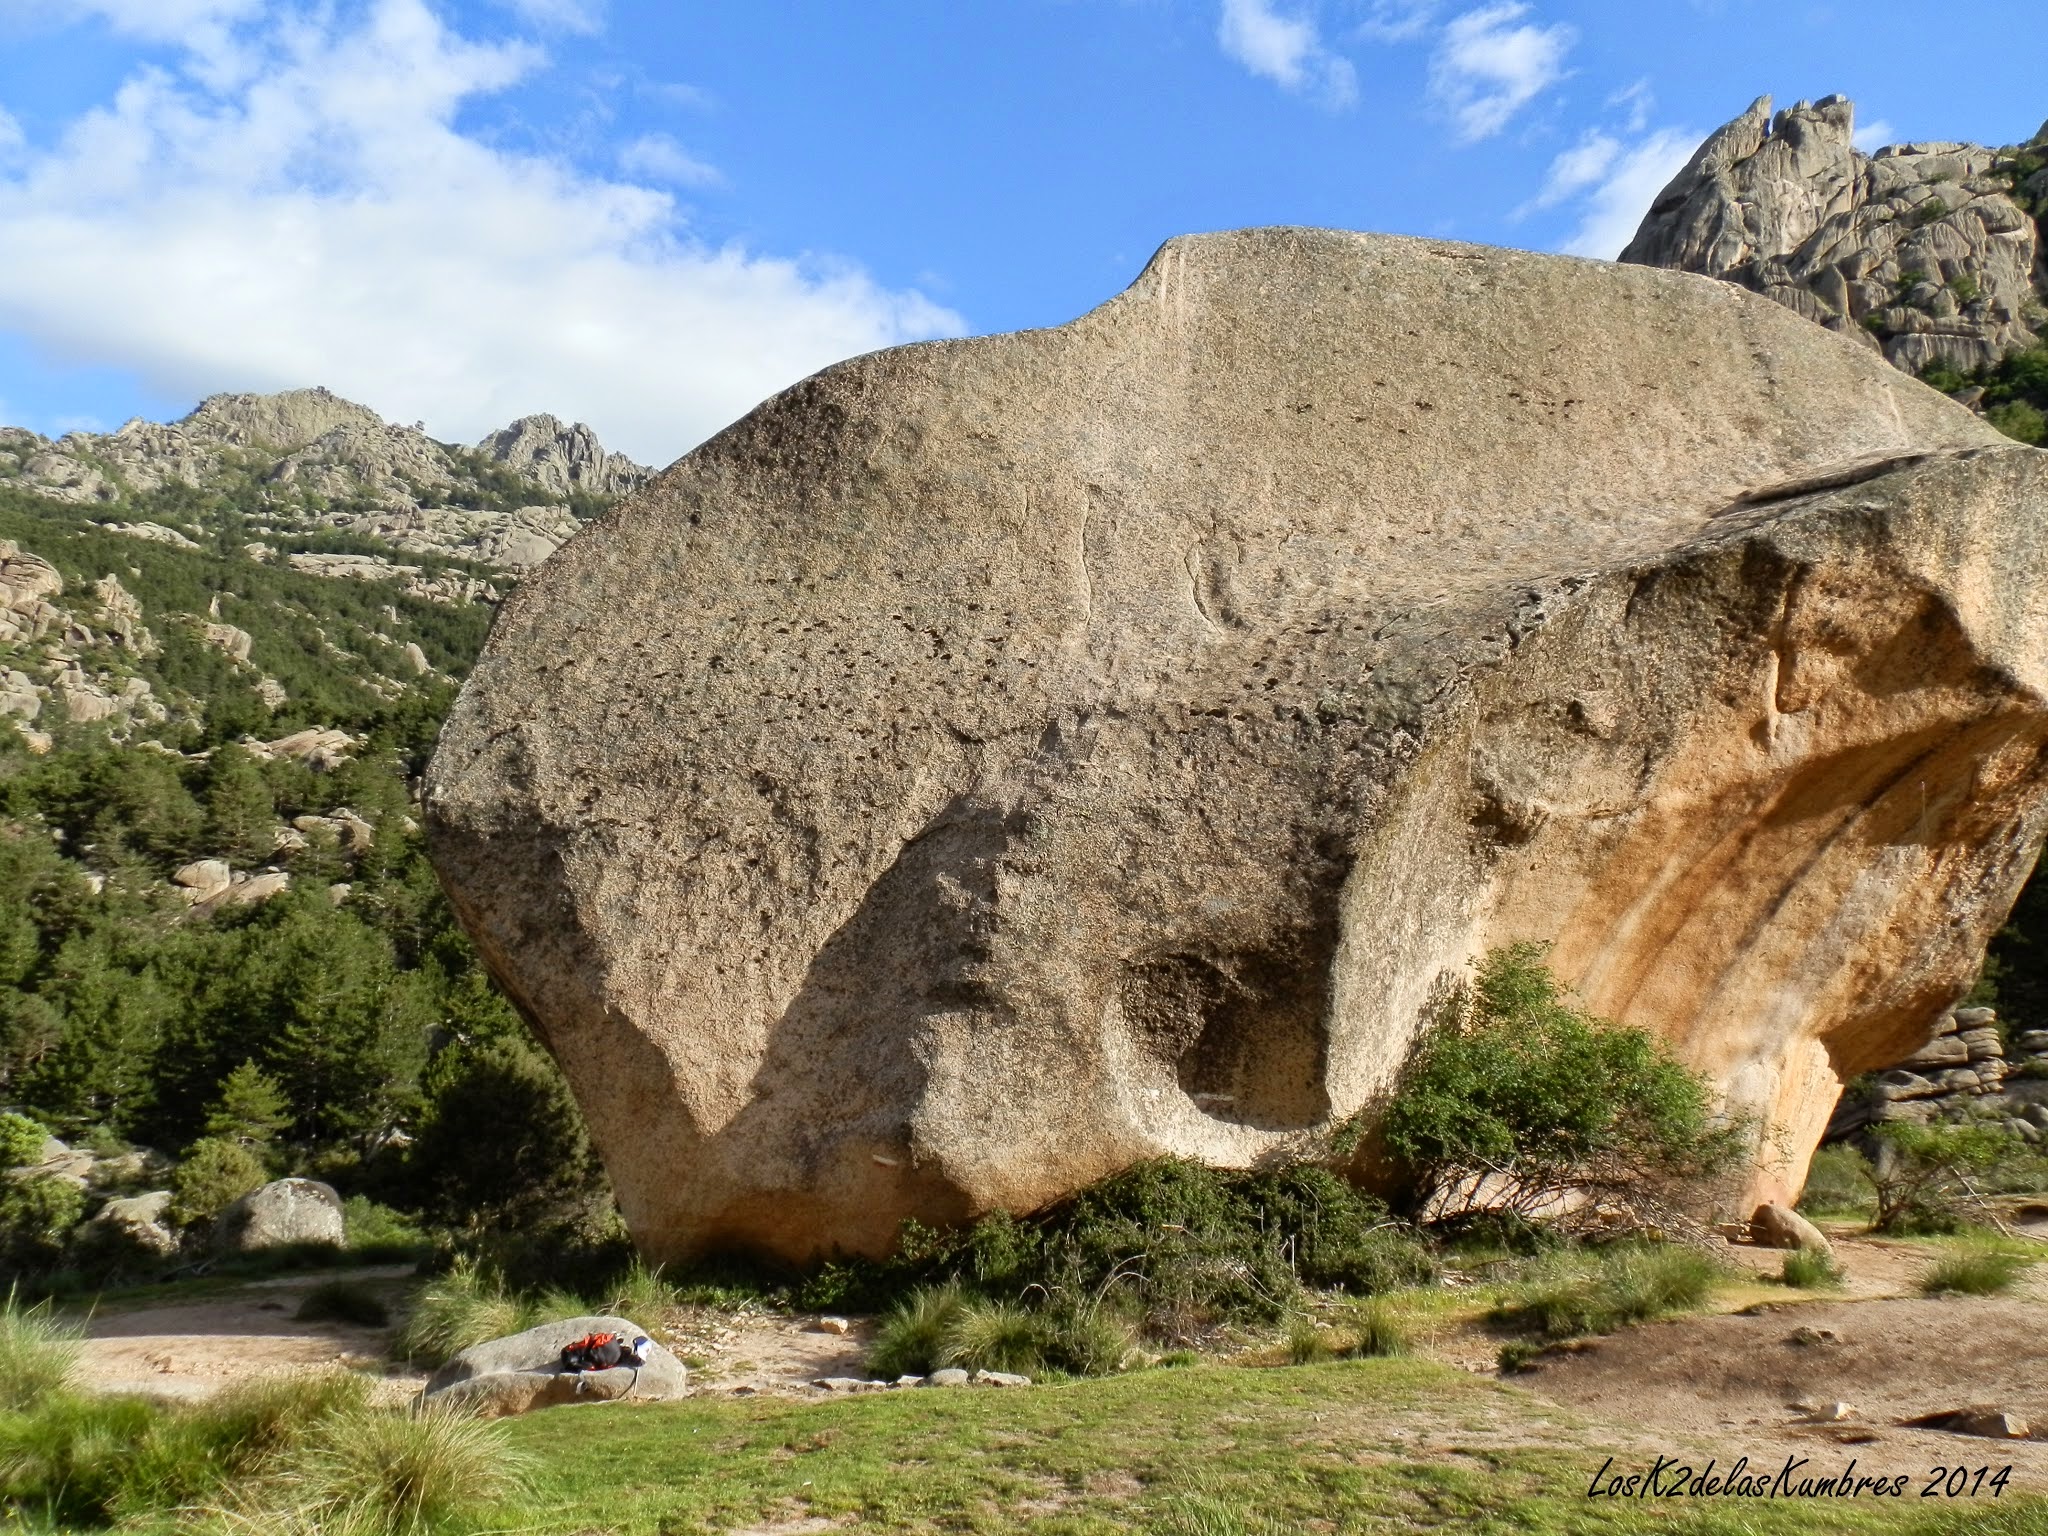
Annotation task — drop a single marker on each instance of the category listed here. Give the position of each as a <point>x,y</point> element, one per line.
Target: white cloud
<point>1398,21</point>
<point>1639,101</point>
<point>11,137</point>
<point>1873,135</point>
<point>162,21</point>
<point>321,219</point>
<point>657,157</point>
<point>1615,184</point>
<point>1487,68</point>
<point>1288,50</point>
<point>585,16</point>
<point>1578,168</point>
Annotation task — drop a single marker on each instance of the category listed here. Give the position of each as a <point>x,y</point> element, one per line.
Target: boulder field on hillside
<point>993,762</point>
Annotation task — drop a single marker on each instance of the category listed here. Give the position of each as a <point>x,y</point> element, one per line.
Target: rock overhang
<point>991,762</point>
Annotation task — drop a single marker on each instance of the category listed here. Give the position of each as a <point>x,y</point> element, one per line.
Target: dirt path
<point>186,1350</point>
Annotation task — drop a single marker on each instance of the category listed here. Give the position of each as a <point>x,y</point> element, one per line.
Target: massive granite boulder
<point>991,762</point>
<point>1919,249</point>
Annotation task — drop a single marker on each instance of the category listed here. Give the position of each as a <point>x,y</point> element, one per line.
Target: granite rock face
<point>993,762</point>
<point>1919,249</point>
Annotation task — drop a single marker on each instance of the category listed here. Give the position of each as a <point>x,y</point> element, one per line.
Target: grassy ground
<point>1383,1445</point>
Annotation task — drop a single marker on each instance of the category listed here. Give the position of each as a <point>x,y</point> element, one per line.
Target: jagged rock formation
<point>562,459</point>
<point>993,762</point>
<point>322,462</point>
<point>1919,249</point>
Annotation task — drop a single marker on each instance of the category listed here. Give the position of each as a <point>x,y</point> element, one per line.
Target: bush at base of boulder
<point>283,1214</point>
<point>214,1174</point>
<point>524,1371</point>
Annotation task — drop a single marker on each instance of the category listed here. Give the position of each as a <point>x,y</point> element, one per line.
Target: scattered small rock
<point>833,1325</point>
<point>1985,1422</point>
<point>952,1376</point>
<point>1824,1413</point>
<point>1000,1379</point>
<point>907,1381</point>
<point>1813,1337</point>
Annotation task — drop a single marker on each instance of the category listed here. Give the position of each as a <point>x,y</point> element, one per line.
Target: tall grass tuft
<point>190,1454</point>
<point>912,1338</point>
<point>37,1352</point>
<point>455,1310</point>
<point>1567,1297</point>
<point>1378,1332</point>
<point>383,1474</point>
<point>1973,1269</point>
<point>1812,1270</point>
<point>994,1336</point>
<point>1306,1343</point>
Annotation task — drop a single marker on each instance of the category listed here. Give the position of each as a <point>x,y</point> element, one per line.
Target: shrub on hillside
<point>1549,1105</point>
<point>21,1141</point>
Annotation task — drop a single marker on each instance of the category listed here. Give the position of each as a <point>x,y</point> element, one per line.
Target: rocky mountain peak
<point>1924,251</point>
<point>307,462</point>
<point>562,458</point>
<point>288,420</point>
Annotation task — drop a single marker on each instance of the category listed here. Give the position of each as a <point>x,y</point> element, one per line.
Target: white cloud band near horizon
<point>294,205</point>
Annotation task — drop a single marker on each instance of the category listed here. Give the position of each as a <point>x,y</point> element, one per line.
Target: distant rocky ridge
<point>1931,253</point>
<point>315,461</point>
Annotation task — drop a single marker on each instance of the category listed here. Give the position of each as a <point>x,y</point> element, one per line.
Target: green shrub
<point>2020,421</point>
<point>1542,1099</point>
<point>376,1232</point>
<point>1974,1269</point>
<point>1922,1173</point>
<point>458,1309</point>
<point>213,1176</point>
<point>21,1141</point>
<point>343,1301</point>
<point>37,1352</point>
<point>1569,1295</point>
<point>1810,1269</point>
<point>37,1216</point>
<point>1839,1182</point>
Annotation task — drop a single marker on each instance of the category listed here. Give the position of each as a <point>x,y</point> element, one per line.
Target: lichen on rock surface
<point>993,762</point>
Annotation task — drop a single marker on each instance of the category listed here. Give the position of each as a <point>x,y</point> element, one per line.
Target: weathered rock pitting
<point>993,762</point>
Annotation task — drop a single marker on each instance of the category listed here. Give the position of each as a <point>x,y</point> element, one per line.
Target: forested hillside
<point>209,859</point>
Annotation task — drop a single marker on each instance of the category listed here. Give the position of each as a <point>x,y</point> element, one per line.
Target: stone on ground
<point>524,1371</point>
<point>282,1214</point>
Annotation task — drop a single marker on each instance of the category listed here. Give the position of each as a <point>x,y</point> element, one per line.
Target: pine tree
<point>251,1108</point>
<point>239,811</point>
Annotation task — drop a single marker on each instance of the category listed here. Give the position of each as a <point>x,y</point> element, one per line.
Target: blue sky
<point>651,216</point>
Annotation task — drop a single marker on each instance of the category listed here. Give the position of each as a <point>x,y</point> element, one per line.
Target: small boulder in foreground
<point>524,1371</point>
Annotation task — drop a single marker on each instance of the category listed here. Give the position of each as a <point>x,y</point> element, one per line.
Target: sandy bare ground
<point>186,1350</point>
